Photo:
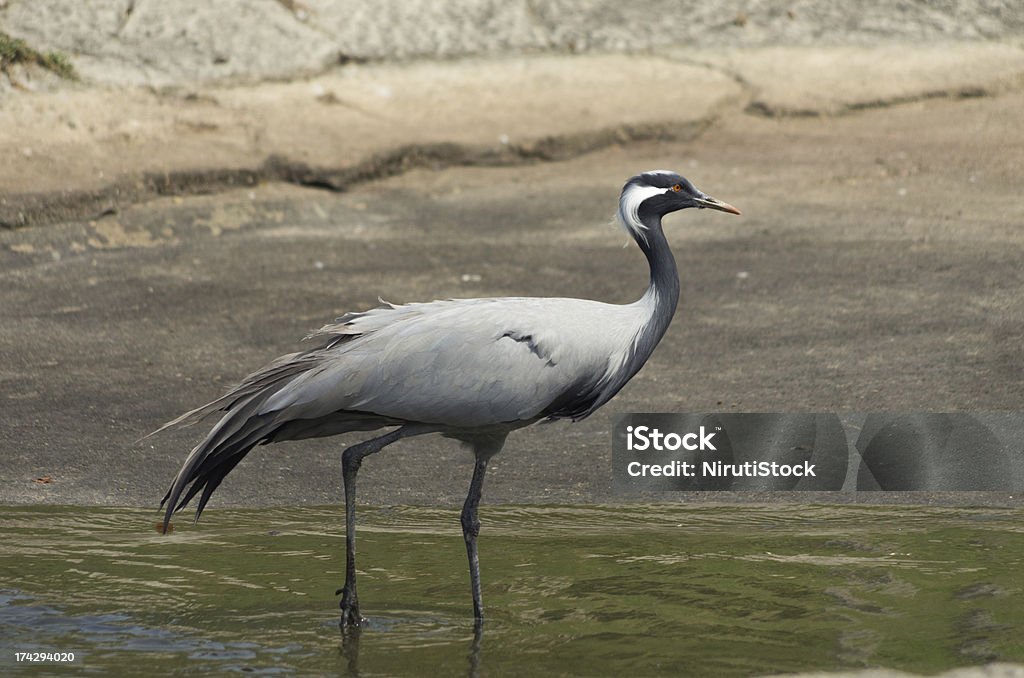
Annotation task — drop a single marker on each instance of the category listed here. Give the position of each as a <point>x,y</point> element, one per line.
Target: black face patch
<point>668,180</point>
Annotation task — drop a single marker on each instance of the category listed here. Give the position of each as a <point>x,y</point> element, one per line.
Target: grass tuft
<point>17,51</point>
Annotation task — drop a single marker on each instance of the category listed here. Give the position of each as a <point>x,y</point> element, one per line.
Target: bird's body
<point>470,369</point>
<point>476,362</point>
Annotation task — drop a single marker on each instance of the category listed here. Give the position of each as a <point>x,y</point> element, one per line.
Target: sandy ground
<point>877,266</point>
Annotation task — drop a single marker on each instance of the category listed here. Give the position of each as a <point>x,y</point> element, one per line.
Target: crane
<point>473,370</point>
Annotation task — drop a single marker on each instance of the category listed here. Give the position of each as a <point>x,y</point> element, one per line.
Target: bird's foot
<point>350,617</point>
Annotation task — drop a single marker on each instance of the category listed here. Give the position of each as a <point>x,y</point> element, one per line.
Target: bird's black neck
<point>658,302</point>
<point>663,291</point>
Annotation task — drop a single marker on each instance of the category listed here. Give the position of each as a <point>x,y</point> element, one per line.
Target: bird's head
<point>647,197</point>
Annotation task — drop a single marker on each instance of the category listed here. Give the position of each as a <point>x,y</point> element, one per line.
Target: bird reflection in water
<point>351,635</point>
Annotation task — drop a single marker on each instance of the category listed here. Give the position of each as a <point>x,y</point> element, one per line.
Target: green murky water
<point>637,590</point>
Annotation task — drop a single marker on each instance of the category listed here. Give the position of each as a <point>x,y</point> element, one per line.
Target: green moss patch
<point>16,51</point>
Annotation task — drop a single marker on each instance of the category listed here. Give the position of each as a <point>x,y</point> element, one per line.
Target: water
<point>635,590</point>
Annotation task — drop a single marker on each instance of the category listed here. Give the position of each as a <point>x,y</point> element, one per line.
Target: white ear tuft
<point>629,207</point>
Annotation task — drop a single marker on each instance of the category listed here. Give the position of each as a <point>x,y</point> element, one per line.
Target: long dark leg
<point>351,460</point>
<point>470,522</point>
<point>470,531</point>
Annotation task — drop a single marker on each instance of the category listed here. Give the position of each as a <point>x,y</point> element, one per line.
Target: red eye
<point>677,188</point>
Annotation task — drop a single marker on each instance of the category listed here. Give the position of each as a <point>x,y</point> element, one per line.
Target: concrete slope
<point>82,151</point>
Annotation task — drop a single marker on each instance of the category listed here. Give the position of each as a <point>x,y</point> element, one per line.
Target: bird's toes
<point>350,618</point>
<point>348,598</point>
<point>349,608</point>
